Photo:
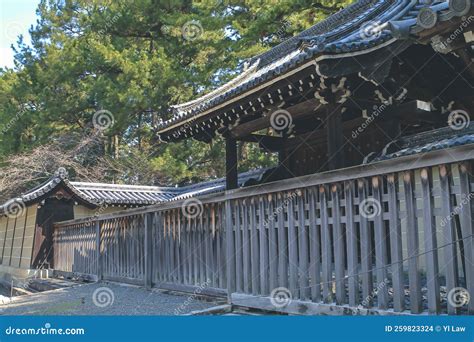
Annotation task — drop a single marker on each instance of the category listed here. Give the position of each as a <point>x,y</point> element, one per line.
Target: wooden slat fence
<point>75,248</point>
<point>400,241</point>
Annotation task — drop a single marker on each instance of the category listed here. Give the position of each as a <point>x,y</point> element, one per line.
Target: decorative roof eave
<point>315,64</point>
<point>405,26</point>
<point>57,182</point>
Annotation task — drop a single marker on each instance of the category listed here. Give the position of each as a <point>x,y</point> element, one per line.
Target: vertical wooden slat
<point>238,248</point>
<point>326,247</point>
<point>282,243</point>
<point>202,252</point>
<point>303,247</point>
<point>315,248</point>
<point>339,260</point>
<point>208,246</point>
<point>466,220</point>
<point>395,244</point>
<point>292,248</point>
<point>222,252</point>
<point>272,244</point>
<point>365,246</point>
<point>263,246</point>
<point>221,247</point>
<point>230,249</point>
<point>381,257</point>
<point>450,258</point>
<point>254,249</point>
<point>246,248</point>
<point>195,250</point>
<point>351,245</point>
<point>431,245</point>
<point>98,249</point>
<point>413,243</point>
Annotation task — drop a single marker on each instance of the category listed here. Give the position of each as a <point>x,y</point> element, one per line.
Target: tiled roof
<point>363,27</point>
<point>118,194</point>
<point>426,142</point>
<point>96,194</point>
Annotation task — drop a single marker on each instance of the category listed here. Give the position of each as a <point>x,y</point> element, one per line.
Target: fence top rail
<point>416,161</point>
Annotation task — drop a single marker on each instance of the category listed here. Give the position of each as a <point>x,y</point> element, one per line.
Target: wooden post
<point>231,163</point>
<point>335,137</point>
<point>148,250</point>
<point>412,243</point>
<point>431,244</point>
<point>381,255</point>
<point>98,251</point>
<point>467,223</point>
<point>230,250</point>
<point>450,252</point>
<point>396,248</point>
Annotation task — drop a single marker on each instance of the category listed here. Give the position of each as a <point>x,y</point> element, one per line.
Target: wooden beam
<point>301,109</point>
<point>231,163</point>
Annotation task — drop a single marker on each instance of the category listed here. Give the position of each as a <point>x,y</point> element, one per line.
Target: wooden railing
<point>390,237</point>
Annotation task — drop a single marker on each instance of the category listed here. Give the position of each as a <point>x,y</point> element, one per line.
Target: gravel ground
<point>105,299</point>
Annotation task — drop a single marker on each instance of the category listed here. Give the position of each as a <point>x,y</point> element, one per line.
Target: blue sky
<point>16,17</point>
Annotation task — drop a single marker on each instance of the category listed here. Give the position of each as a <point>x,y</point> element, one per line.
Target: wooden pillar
<point>335,137</point>
<point>231,163</point>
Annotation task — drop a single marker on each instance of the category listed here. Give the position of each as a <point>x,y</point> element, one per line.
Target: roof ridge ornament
<point>62,173</point>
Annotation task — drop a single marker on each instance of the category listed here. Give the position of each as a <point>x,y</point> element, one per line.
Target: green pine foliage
<point>131,59</point>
